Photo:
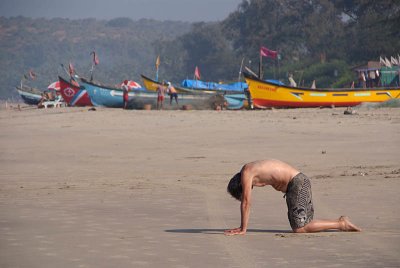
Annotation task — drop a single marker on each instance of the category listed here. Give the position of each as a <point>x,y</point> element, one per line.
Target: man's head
<point>125,82</point>
<point>235,186</point>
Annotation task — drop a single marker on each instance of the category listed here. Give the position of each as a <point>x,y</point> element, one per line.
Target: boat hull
<point>149,83</point>
<point>236,101</point>
<point>267,95</point>
<point>233,101</point>
<point>73,94</point>
<point>138,99</point>
<point>28,97</point>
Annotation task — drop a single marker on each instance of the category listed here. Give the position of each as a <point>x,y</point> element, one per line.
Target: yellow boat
<point>266,95</point>
<point>150,84</point>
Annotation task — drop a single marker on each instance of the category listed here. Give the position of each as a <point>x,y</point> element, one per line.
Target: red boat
<point>73,94</point>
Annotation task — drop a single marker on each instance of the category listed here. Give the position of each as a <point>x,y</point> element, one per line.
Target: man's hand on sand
<point>236,231</point>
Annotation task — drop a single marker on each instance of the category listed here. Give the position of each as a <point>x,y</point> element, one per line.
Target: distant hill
<point>316,40</point>
<point>125,48</point>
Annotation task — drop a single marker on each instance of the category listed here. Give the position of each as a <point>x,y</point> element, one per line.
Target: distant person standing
<point>125,93</point>
<point>172,93</point>
<point>160,96</point>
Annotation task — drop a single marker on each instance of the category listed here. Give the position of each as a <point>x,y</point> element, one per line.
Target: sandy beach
<point>130,188</point>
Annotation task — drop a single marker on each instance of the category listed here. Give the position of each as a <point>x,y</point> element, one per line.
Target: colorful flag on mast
<point>197,73</point>
<point>95,58</point>
<point>265,52</point>
<point>32,75</point>
<point>157,65</point>
<point>158,62</point>
<point>71,69</point>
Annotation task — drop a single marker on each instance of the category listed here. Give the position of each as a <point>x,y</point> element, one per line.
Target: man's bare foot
<point>347,226</point>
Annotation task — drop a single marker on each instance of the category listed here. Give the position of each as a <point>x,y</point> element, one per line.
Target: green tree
<point>372,28</point>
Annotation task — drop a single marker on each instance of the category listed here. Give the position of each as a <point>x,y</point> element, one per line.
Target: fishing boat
<point>234,99</point>
<point>73,94</point>
<point>108,96</point>
<point>193,86</point>
<point>266,95</point>
<point>149,83</point>
<point>232,88</point>
<point>152,85</point>
<point>233,93</point>
<point>29,95</point>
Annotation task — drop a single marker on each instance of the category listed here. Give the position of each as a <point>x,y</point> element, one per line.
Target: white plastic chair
<point>58,102</point>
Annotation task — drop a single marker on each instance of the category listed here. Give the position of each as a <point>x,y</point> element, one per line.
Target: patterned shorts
<point>299,201</point>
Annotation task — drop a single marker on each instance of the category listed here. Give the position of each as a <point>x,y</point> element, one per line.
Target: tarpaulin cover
<point>238,86</point>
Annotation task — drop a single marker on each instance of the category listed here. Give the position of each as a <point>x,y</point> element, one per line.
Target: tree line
<point>318,40</point>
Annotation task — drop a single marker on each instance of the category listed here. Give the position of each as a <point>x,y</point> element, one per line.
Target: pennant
<point>71,69</point>
<point>157,61</point>
<point>388,64</point>
<point>197,73</point>
<point>313,85</point>
<point>95,58</point>
<point>394,61</point>
<point>382,61</point>
<point>265,52</point>
<point>32,75</point>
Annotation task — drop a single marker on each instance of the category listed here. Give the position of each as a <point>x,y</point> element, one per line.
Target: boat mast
<point>240,70</point>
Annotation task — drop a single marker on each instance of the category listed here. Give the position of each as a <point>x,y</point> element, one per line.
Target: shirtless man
<point>297,188</point>
<point>160,95</point>
<point>172,93</point>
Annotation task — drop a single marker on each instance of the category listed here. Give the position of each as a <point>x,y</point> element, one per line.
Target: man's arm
<point>244,205</point>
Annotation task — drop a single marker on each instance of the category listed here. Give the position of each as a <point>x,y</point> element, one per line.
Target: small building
<point>377,74</point>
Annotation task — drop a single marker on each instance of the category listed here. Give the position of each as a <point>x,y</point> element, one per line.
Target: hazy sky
<point>183,10</point>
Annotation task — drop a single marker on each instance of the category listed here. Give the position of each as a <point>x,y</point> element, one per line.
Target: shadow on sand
<point>221,231</point>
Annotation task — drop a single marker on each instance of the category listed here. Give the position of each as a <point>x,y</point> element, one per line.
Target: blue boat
<point>111,97</point>
<point>29,95</point>
<point>234,93</point>
<point>235,97</point>
<point>236,101</point>
<point>232,88</point>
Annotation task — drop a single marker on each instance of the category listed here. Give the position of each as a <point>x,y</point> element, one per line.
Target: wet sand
<point>115,188</point>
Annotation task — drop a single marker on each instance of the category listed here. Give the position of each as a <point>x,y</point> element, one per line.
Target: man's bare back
<point>269,172</point>
<point>285,178</point>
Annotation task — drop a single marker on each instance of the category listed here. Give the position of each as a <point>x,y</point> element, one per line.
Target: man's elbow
<point>246,203</point>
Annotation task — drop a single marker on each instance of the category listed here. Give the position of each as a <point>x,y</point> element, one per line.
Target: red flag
<point>95,58</point>
<point>265,52</point>
<point>197,73</point>
<point>71,69</point>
